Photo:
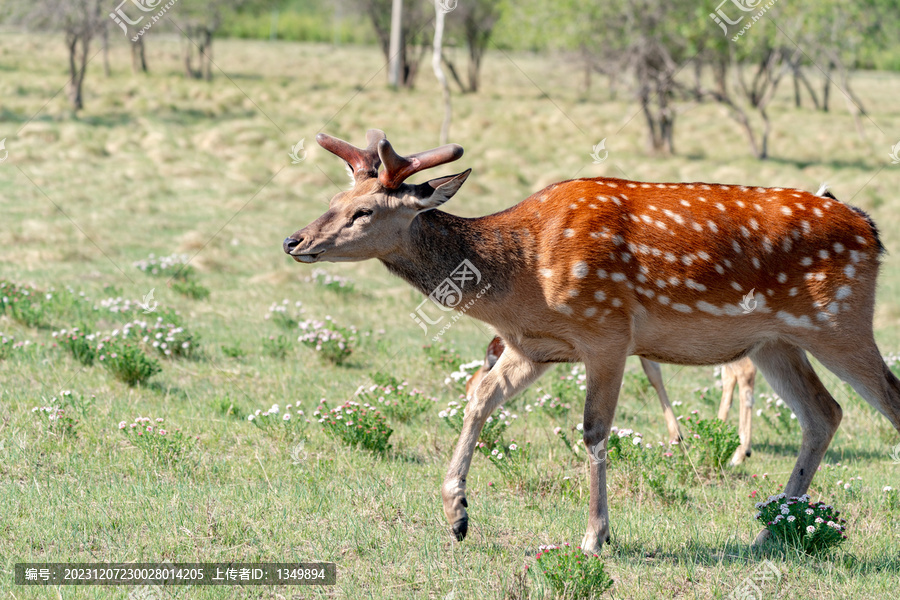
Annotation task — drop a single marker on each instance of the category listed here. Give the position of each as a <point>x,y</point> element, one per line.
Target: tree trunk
<point>207,54</point>
<point>77,68</point>
<point>826,86</point>
<point>138,58</point>
<point>438,72</point>
<point>105,49</point>
<point>188,52</point>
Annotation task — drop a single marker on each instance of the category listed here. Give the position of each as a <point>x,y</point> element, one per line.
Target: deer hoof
<point>461,528</point>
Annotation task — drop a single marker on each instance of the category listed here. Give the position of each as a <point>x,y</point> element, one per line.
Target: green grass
<point>164,165</point>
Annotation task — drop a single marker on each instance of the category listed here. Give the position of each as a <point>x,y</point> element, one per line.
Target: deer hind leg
<point>745,373</point>
<point>729,380</point>
<point>603,385</point>
<point>790,374</point>
<point>512,373</point>
<point>654,374</point>
<point>864,369</point>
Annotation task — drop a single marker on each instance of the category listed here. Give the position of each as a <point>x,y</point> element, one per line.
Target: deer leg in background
<point>654,374</point>
<point>745,372</point>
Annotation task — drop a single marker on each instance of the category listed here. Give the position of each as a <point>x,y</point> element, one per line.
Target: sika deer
<point>594,270</point>
<point>741,373</point>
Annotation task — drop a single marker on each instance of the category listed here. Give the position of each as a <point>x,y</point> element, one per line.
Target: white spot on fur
<point>720,206</point>
<point>782,277</point>
<point>755,262</point>
<point>737,286</point>
<point>792,291</point>
<point>687,259</point>
<point>861,240</point>
<point>599,295</point>
<point>568,232</point>
<point>818,212</point>
<point>641,278</point>
<point>767,245</point>
<point>617,239</point>
<point>685,203</point>
<point>664,300</point>
<point>682,308</point>
<point>843,292</point>
<point>616,302</point>
<point>703,255</point>
<point>795,321</point>
<point>786,211</point>
<point>838,247</point>
<point>660,283</point>
<point>850,271</point>
<point>617,277</point>
<point>745,231</point>
<point>697,226</point>
<point>786,244</point>
<point>823,254</point>
<point>709,308</point>
<point>601,273</point>
<point>580,270</point>
<point>670,257</point>
<point>674,280</point>
<point>736,246</point>
<point>547,272</point>
<point>805,261</point>
<point>694,285</point>
<point>720,269</point>
<point>712,227</point>
<point>590,312</point>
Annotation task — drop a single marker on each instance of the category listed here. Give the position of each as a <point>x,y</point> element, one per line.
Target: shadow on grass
<point>737,553</point>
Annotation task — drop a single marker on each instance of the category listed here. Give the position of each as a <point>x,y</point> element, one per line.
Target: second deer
<point>740,374</point>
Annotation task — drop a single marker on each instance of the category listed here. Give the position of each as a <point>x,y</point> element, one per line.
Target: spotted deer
<point>594,270</point>
<point>741,373</point>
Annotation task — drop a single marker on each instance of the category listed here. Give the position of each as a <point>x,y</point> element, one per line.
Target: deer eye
<point>362,212</point>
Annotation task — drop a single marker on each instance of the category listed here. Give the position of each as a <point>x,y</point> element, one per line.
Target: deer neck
<point>438,243</point>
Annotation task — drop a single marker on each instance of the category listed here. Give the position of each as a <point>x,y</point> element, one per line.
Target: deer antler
<point>398,168</point>
<point>364,162</point>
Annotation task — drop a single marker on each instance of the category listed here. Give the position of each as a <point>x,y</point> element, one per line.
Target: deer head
<point>371,219</point>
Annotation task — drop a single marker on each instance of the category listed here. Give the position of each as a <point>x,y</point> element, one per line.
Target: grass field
<point>159,164</point>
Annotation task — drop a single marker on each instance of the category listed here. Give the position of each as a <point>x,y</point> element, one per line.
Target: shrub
<point>167,448</point>
<point>457,379</point>
<point>165,336</point>
<point>80,344</point>
<point>711,442</point>
<point>63,413</point>
<point>191,289</point>
<point>126,361</point>
<point>276,346</point>
<point>572,573</point>
<point>283,315</point>
<point>24,303</point>
<point>812,527</point>
<point>356,425</point>
<point>395,398</point>
<point>332,342</point>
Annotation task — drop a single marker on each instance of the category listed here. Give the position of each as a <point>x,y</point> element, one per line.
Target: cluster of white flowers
<point>259,416</point>
<point>316,333</point>
<point>453,407</point>
<point>323,277</point>
<point>462,374</point>
<point>139,425</point>
<point>153,265</point>
<point>773,401</point>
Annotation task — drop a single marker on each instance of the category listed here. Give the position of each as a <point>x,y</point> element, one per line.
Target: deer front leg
<point>512,373</point>
<point>603,384</point>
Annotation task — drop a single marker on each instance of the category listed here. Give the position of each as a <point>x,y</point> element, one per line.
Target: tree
<point>413,33</point>
<point>80,21</point>
<point>199,20</point>
<point>473,21</point>
<point>436,59</point>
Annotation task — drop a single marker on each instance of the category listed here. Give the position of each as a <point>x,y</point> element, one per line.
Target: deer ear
<point>437,191</point>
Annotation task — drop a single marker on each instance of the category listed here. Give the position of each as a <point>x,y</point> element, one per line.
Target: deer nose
<point>290,244</point>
